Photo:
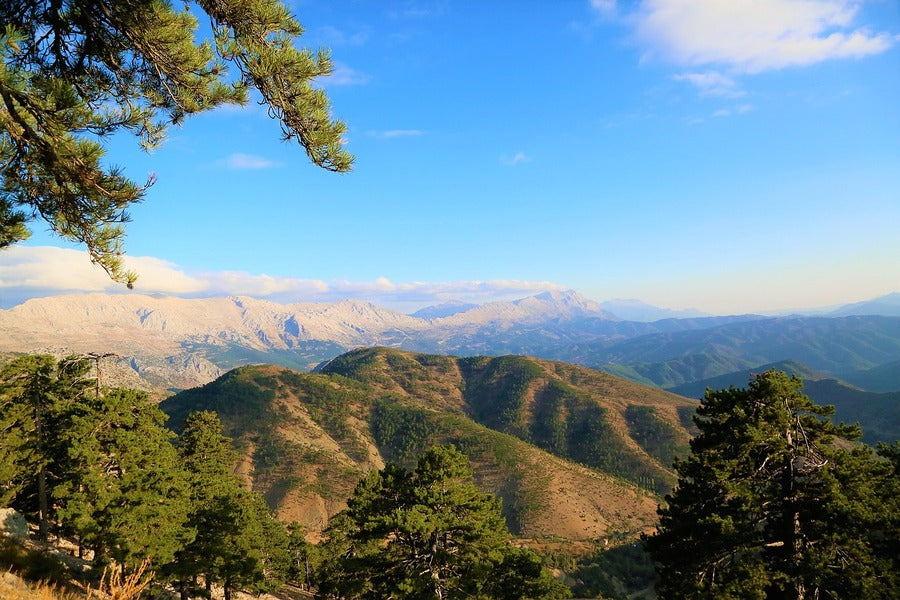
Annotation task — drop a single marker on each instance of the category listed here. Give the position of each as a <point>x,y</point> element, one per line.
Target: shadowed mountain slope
<point>877,413</point>
<point>835,345</point>
<point>883,378</point>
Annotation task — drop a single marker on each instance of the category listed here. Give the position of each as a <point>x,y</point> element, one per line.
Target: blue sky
<point>725,155</point>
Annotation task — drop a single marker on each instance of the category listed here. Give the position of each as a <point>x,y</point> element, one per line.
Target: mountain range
<point>179,343</point>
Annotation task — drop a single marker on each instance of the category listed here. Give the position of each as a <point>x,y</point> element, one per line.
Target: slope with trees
<point>836,345</point>
<point>877,413</point>
<point>307,439</point>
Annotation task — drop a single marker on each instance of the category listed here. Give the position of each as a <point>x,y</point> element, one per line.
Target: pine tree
<point>428,534</point>
<point>774,501</point>
<point>35,393</point>
<point>238,544</point>
<point>207,456</point>
<point>124,492</point>
<point>76,72</point>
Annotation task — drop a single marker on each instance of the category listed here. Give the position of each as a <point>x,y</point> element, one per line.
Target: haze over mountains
<point>180,343</point>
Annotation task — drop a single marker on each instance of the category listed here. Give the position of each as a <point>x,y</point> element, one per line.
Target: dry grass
<point>116,584</point>
<point>13,587</point>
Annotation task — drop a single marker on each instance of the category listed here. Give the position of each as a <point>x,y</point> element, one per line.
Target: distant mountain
<point>835,345</point>
<point>443,310</point>
<point>179,343</point>
<point>888,306</point>
<point>635,310</point>
<point>567,448</point>
<point>877,413</point>
<point>883,378</point>
<point>556,306</point>
<point>739,379</point>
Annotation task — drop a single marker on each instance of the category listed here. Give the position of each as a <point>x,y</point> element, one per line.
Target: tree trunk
<point>790,521</point>
<point>42,473</point>
<point>43,507</point>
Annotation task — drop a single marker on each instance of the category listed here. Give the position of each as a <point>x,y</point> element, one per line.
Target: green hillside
<point>837,345</point>
<point>572,412</point>
<point>739,378</point>
<point>883,378</point>
<point>572,452</point>
<point>877,413</point>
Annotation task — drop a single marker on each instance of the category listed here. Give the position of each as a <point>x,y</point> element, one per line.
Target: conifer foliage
<point>99,467</point>
<point>75,72</point>
<point>428,534</point>
<point>123,492</point>
<point>775,502</point>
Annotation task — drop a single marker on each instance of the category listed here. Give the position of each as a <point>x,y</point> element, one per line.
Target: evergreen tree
<point>75,72</point>
<point>304,558</point>
<point>207,456</point>
<point>124,493</point>
<point>253,552</point>
<point>428,534</point>
<point>238,543</point>
<point>773,502</point>
<point>35,393</point>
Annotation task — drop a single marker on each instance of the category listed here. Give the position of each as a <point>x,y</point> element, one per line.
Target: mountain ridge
<point>179,343</point>
<point>307,438</point>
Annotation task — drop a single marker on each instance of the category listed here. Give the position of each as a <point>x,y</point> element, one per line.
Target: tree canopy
<point>76,72</point>
<point>775,501</point>
<point>428,534</point>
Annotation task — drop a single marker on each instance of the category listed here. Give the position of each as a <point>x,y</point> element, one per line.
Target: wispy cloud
<point>418,9</point>
<point>740,109</point>
<point>711,83</point>
<point>604,7</point>
<point>332,36</point>
<point>397,133</point>
<point>515,159</point>
<point>239,160</point>
<point>753,36</point>
<point>27,272</point>
<point>345,75</point>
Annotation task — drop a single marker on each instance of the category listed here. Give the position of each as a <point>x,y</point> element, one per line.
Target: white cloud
<point>239,160</point>
<point>518,157</point>
<point>711,83</point>
<point>345,75</point>
<point>36,271</point>
<point>332,36</point>
<point>606,7</point>
<point>396,133</point>
<point>755,35</point>
<point>62,270</point>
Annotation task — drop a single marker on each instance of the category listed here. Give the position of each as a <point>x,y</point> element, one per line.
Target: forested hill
<point>573,452</point>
